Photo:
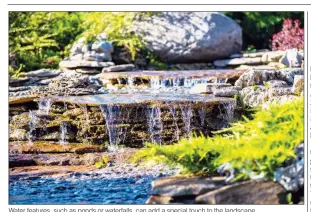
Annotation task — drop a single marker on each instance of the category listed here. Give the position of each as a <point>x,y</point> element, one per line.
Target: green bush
<point>42,39</point>
<point>258,27</point>
<point>103,163</point>
<point>258,146</point>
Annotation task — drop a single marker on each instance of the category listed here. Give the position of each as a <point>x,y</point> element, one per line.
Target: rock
<point>98,57</point>
<point>42,73</point>
<point>248,55</point>
<point>158,200</point>
<point>237,61</point>
<point>44,82</point>
<point>280,91</point>
<point>272,56</point>
<point>292,58</point>
<point>119,68</point>
<point>88,71</point>
<point>77,57</point>
<point>258,77</point>
<point>254,96</point>
<point>292,176</point>
<point>250,192</point>
<point>182,37</point>
<point>16,89</point>
<point>80,47</point>
<point>276,84</point>
<point>102,45</point>
<point>281,99</point>
<point>21,160</point>
<point>190,66</point>
<point>18,82</point>
<point>91,158</point>
<point>207,87</point>
<point>84,64</point>
<point>226,91</point>
<point>177,186</point>
<point>21,99</point>
<point>276,65</point>
<point>298,84</point>
<point>288,74</point>
<point>17,134</point>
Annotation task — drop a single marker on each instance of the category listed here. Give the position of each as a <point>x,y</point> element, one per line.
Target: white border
<point>4,89</point>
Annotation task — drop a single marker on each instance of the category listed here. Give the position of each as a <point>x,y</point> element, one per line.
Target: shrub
<point>103,163</point>
<point>291,36</point>
<point>258,27</point>
<point>257,146</point>
<point>41,39</point>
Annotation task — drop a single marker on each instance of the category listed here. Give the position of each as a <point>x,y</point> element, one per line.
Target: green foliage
<point>289,198</point>
<point>267,84</point>
<point>260,145</point>
<point>103,163</point>
<point>258,27</point>
<point>117,26</point>
<point>15,73</point>
<point>40,38</point>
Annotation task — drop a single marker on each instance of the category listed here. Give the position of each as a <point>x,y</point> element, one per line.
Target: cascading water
<point>45,106</point>
<point>130,81</point>
<point>202,114</point>
<point>155,126</point>
<point>112,114</point>
<point>33,120</point>
<point>186,113</point>
<point>173,111</point>
<point>63,132</point>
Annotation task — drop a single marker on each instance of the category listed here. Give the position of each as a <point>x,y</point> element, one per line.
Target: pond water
<point>122,190</point>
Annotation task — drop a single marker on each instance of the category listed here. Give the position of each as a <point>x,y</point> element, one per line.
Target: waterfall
<point>63,132</point>
<point>33,121</point>
<point>173,111</point>
<point>226,113</point>
<point>45,106</point>
<point>186,112</point>
<point>112,114</point>
<point>155,126</point>
<point>202,114</point>
<point>130,81</point>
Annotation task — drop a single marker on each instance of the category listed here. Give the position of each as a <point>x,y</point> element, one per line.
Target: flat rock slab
<point>119,68</point>
<point>191,74</point>
<point>83,63</point>
<point>64,159</point>
<point>21,99</point>
<point>54,148</point>
<point>207,88</point>
<point>18,82</point>
<point>106,99</point>
<point>88,70</point>
<point>230,91</point>
<point>43,73</point>
<point>180,186</point>
<point>250,192</point>
<point>238,61</point>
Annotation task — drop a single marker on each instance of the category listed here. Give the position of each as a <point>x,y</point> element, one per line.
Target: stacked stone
<point>89,58</point>
<point>264,59</point>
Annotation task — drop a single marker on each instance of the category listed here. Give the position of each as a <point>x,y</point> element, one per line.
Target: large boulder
<point>182,37</point>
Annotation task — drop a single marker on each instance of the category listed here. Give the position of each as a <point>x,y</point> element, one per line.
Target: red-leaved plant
<point>290,37</point>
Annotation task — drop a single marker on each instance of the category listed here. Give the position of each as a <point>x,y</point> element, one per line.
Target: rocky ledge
<point>214,190</point>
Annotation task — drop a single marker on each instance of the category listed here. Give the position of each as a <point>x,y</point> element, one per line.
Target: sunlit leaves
<point>258,145</point>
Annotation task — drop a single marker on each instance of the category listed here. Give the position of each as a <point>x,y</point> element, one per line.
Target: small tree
<point>291,36</point>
